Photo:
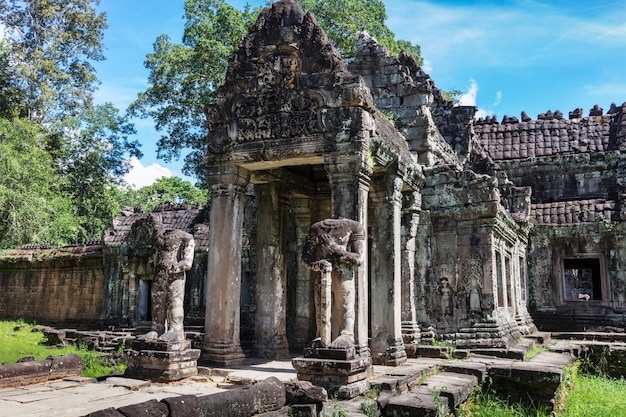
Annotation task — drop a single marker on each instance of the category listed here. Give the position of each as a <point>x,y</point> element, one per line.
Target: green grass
<point>595,396</point>
<point>17,340</point>
<point>490,405</point>
<point>581,395</point>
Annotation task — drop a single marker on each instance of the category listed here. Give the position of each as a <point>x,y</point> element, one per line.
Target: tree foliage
<point>172,190</point>
<point>185,77</point>
<point>48,79</point>
<point>342,21</point>
<point>52,44</point>
<point>93,161</point>
<point>33,208</point>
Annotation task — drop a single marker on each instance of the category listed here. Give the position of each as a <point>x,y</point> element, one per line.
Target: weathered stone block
<point>417,405</point>
<point>32,372</point>
<point>162,366</point>
<point>265,396</point>
<point>152,408</point>
<point>304,392</point>
<point>108,412</point>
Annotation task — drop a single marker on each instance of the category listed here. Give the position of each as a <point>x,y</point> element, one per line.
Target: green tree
<point>48,78</point>
<point>185,77</point>
<point>342,21</point>
<point>172,190</point>
<point>33,208</point>
<point>52,45</point>
<point>93,159</point>
<point>11,99</point>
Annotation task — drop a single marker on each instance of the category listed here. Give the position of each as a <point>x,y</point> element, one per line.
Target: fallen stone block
<point>33,372</point>
<point>304,410</point>
<point>152,408</point>
<point>107,412</point>
<point>417,405</point>
<point>265,396</point>
<point>304,392</point>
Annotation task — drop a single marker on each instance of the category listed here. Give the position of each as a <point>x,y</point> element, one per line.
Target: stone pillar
<point>221,329</point>
<point>304,326</point>
<point>349,193</point>
<point>387,346</point>
<point>410,225</point>
<point>271,291</point>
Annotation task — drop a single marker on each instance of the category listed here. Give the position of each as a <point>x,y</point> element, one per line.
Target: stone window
<point>582,279</point>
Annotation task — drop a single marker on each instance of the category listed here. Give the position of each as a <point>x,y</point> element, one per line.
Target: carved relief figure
<point>173,251</point>
<point>341,244</point>
<point>474,288</point>
<point>446,297</point>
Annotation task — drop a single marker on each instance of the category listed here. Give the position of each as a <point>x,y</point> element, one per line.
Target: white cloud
<point>498,98</point>
<point>141,176</point>
<point>469,98</point>
<point>427,67</point>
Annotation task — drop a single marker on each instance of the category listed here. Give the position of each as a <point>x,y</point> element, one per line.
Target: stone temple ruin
<point>475,232</point>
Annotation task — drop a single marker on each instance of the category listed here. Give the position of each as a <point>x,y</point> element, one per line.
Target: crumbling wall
<point>576,169</point>
<point>56,285</point>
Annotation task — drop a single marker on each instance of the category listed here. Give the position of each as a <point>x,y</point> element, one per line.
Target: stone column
<point>304,326</point>
<point>221,328</point>
<point>349,191</point>
<point>271,291</point>
<point>387,346</point>
<point>410,225</point>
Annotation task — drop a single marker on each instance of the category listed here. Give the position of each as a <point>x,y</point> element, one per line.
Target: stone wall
<point>55,285</point>
<point>576,169</point>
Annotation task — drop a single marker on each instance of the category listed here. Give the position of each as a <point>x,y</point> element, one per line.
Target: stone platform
<point>162,361</point>
<point>340,371</point>
<point>421,386</point>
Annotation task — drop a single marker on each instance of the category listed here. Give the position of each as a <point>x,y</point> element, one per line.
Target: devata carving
<point>341,245</point>
<point>173,251</point>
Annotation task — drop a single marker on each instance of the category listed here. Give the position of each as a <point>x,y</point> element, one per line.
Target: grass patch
<point>483,402</point>
<point>594,396</point>
<point>17,340</point>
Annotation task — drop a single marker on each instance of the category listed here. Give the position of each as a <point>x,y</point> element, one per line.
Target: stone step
<point>540,338</point>
<point>565,346</point>
<point>455,387</point>
<point>417,404</point>
<point>477,369</point>
<point>403,378</point>
<point>517,351</point>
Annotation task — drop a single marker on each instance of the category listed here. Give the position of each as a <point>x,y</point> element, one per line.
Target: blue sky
<point>507,56</point>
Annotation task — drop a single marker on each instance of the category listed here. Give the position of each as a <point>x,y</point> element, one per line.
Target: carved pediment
<point>286,80</point>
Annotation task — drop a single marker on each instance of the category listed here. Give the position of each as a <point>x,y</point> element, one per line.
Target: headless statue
<point>173,251</point>
<point>341,245</point>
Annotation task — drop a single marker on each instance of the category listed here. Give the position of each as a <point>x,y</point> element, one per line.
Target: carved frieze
<point>280,125</point>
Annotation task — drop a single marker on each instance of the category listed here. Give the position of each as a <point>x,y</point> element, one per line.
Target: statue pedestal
<point>162,361</point>
<point>340,371</point>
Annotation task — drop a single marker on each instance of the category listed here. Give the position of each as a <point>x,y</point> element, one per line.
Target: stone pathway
<point>74,397</point>
<point>422,386</point>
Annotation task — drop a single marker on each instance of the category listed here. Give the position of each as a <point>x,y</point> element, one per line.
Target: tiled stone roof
<point>572,212</point>
<point>173,217</point>
<point>551,134</point>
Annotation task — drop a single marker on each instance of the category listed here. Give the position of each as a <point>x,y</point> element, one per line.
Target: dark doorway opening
<point>582,279</point>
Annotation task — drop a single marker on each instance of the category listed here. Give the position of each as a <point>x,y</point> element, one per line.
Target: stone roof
<point>192,220</point>
<point>568,213</point>
<point>551,134</point>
